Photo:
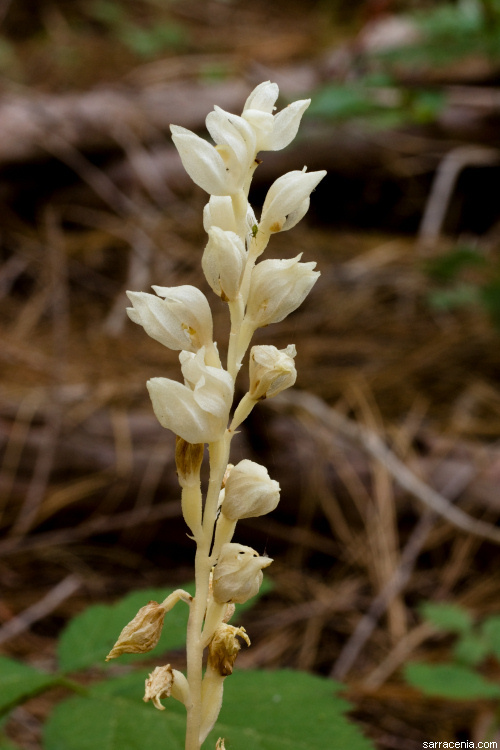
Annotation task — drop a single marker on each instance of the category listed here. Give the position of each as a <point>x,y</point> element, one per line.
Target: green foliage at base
<point>19,682</point>
<point>285,710</point>
<point>281,710</point>
<point>458,679</point>
<point>264,710</point>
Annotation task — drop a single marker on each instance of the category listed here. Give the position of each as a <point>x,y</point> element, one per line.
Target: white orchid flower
<point>277,288</point>
<point>235,139</point>
<point>272,370</point>
<point>222,169</point>
<point>273,132</point>
<point>287,200</point>
<point>238,573</point>
<point>199,410</point>
<point>182,320</point>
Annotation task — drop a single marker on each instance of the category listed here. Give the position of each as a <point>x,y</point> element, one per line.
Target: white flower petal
<point>277,288</point>
<point>236,142</point>
<point>158,322</point>
<point>219,212</point>
<point>286,196</point>
<point>223,262</point>
<point>176,409</point>
<point>201,161</point>
<point>212,386</point>
<point>286,125</point>
<point>189,309</point>
<point>263,97</point>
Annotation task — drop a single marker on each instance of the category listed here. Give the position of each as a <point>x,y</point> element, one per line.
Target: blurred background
<point>396,414</point>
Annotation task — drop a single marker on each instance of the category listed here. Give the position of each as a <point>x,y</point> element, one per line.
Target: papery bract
<point>164,682</point>
<point>277,288</point>
<point>183,320</point>
<point>142,633</point>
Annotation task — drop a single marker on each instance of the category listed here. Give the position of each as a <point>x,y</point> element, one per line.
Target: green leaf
<point>337,101</point>
<point>90,636</point>
<point>471,649</point>
<point>490,631</point>
<point>446,616</point>
<point>18,682</point>
<point>450,681</point>
<point>6,744</point>
<point>285,710</point>
<point>461,295</point>
<point>444,268</point>
<point>281,710</point>
<point>112,723</point>
<point>490,298</point>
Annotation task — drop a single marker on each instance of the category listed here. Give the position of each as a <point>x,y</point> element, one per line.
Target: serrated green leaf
<point>285,710</point>
<point>450,681</point>
<point>446,616</point>
<point>19,681</point>
<point>282,710</point>
<point>90,636</point>
<point>112,723</point>
<point>490,630</point>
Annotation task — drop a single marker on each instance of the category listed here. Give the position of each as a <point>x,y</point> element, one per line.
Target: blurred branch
<point>375,446</point>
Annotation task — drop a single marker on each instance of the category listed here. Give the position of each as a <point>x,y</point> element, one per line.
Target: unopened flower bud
<point>277,288</point>
<point>164,682</point>
<point>224,647</point>
<point>182,320</point>
<point>271,370</point>
<point>249,492</point>
<point>238,573</point>
<point>142,633</point>
<point>223,262</point>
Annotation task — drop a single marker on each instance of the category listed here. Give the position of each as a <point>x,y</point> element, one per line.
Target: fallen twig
<point>40,609</point>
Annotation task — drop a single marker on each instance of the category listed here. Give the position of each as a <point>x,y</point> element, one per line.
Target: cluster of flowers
<point>198,410</point>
